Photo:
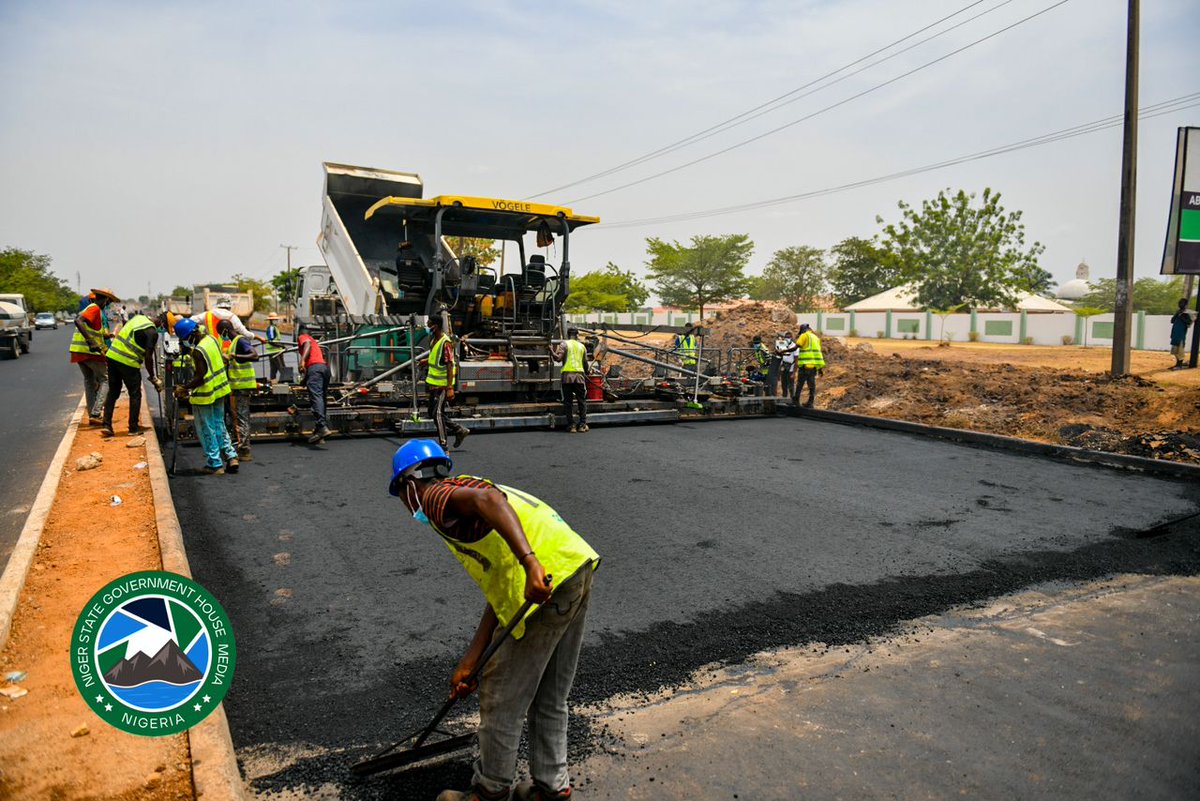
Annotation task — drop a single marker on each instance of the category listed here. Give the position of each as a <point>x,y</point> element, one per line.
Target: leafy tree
<point>1085,312</point>
<point>1149,295</point>
<point>263,296</point>
<point>484,250</point>
<point>860,270</point>
<point>957,253</point>
<point>181,292</point>
<point>610,289</point>
<point>710,270</point>
<point>797,276</point>
<point>28,273</point>
<point>286,284</point>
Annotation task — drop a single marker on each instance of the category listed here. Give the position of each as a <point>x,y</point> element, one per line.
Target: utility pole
<point>1123,320</point>
<point>288,284</point>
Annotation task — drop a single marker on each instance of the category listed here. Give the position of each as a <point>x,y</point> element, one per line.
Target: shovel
<point>414,748</point>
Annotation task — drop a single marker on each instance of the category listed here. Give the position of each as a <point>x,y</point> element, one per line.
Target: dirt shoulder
<point>86,543</point>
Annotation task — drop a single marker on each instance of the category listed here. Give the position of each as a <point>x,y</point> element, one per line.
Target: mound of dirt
<point>736,326</point>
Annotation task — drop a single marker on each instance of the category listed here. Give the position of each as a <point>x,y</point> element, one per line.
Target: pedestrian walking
<point>274,348</point>
<point>130,350</point>
<point>573,355</point>
<point>1180,321</point>
<point>240,357</point>
<point>206,393</point>
<point>87,349</point>
<point>314,374</point>
<point>516,548</point>
<point>810,363</point>
<point>440,381</point>
<point>786,349</point>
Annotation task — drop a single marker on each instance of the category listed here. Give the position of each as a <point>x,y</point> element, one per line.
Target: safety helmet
<point>224,302</point>
<point>172,318</point>
<point>185,328</point>
<point>416,454</point>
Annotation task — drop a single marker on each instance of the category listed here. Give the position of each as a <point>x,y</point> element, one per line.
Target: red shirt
<point>315,356</point>
<point>92,319</point>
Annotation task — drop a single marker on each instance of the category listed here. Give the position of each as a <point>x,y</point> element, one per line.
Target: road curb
<point>215,773</point>
<point>13,580</point>
<point>1068,453</point>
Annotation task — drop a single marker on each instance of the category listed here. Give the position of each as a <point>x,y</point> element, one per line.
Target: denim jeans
<point>317,380</point>
<point>95,374</point>
<point>214,437</point>
<point>531,677</point>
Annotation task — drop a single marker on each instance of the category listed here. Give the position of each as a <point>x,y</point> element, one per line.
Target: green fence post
<point>1139,341</point>
<point>1024,326</point>
<point>887,326</point>
<point>1078,329</point>
<point>928,324</point>
<point>974,322</point>
<point>852,325</point>
<point>821,322</point>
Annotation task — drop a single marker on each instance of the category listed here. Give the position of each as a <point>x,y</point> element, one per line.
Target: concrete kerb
<point>1119,461</point>
<point>215,773</point>
<point>13,580</point>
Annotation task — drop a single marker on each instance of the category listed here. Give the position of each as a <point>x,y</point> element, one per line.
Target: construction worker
<point>240,357</point>
<point>87,347</point>
<point>274,347</point>
<point>785,348</point>
<point>810,362</point>
<point>573,354</point>
<point>314,374</point>
<point>760,359</point>
<point>131,348</point>
<point>440,382</point>
<point>206,393</point>
<point>515,548</point>
<point>1180,321</point>
<point>223,310</point>
<point>685,346</point>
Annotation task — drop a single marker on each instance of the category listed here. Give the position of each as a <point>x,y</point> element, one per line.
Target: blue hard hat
<point>184,328</point>
<point>414,453</point>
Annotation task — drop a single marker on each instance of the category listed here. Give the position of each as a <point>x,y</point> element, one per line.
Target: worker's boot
<point>209,470</point>
<point>572,429</point>
<point>532,791</point>
<point>244,454</point>
<point>107,431</point>
<point>474,794</point>
<point>583,428</point>
<point>459,436</point>
<point>319,435</point>
<point>232,466</point>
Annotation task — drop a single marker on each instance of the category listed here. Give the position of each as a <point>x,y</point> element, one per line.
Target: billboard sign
<point>1182,253</point>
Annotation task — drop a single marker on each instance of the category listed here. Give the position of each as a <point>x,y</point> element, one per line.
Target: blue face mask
<point>419,513</point>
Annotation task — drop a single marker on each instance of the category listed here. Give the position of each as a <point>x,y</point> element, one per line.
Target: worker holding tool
<point>314,374</point>
<point>131,348</point>
<point>810,362</point>
<point>513,546</point>
<point>240,356</point>
<point>206,392</point>
<point>274,347</point>
<point>685,346</point>
<point>440,382</point>
<point>573,354</point>
<point>87,350</point>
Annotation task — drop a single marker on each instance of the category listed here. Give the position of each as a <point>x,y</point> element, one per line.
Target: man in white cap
<point>223,310</point>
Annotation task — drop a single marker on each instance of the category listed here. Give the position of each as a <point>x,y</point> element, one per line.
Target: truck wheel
<point>14,349</point>
<point>25,345</point>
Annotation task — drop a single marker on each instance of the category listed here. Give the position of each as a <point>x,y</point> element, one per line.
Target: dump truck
<point>16,326</point>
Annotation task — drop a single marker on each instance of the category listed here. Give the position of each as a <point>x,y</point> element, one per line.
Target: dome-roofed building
<point>1076,289</point>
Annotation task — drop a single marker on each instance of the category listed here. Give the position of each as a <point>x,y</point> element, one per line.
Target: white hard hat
<point>224,302</point>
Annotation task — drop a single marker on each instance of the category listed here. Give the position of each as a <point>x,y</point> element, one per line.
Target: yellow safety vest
<point>436,377</point>
<point>494,567</point>
<point>78,343</point>
<point>576,353</point>
<point>216,379</point>
<point>687,350</point>
<point>809,353</point>
<point>241,374</point>
<point>124,349</point>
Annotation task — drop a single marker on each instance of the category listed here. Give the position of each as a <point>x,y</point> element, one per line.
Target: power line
<point>1148,112</point>
<point>819,112</point>
<point>784,99</point>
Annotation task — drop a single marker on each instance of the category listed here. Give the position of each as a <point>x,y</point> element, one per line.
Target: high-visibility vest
<point>437,375</point>
<point>216,377</point>
<point>494,567</point>
<point>576,353</point>
<point>78,343</point>
<point>273,346</point>
<point>687,350</point>
<point>241,374</point>
<point>760,355</point>
<point>124,349</point>
<point>809,355</point>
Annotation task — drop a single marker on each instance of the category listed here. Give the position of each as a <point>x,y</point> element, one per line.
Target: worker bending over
<point>573,354</point>
<point>809,361</point>
<point>206,393</point>
<point>440,382</point>
<point>130,349</point>
<point>87,350</point>
<point>516,548</point>
<point>240,356</point>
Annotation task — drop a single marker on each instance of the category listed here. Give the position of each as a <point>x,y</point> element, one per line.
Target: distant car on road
<point>45,320</point>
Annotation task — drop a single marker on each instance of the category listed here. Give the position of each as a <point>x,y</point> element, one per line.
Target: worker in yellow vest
<point>206,393</point>
<point>573,354</point>
<point>130,349</point>
<point>240,357</point>
<point>87,348</point>
<point>686,347</point>
<point>516,549</point>
<point>810,362</point>
<point>440,382</point>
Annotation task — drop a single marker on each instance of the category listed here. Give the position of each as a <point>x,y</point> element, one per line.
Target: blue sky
<point>167,143</point>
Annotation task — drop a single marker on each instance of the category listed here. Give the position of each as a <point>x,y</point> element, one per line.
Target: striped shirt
<point>438,497</point>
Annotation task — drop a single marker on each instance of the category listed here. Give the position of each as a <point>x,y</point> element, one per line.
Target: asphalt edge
<point>215,774</point>
<point>23,553</point>
<point>1069,453</point>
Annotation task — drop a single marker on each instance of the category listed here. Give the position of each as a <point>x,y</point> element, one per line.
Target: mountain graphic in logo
<point>169,665</point>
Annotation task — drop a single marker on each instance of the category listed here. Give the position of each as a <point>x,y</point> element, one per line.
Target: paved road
<point>38,394</point>
<point>719,540</point>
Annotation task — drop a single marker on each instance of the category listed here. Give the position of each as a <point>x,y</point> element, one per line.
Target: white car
<point>45,320</point>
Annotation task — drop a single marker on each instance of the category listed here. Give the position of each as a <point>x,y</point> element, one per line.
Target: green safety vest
<point>760,355</point>
<point>273,346</point>
<point>78,343</point>
<point>241,374</point>
<point>576,353</point>
<point>216,380</point>
<point>687,350</point>
<point>436,377</point>
<point>124,349</point>
<point>494,567</point>
<point>809,354</point>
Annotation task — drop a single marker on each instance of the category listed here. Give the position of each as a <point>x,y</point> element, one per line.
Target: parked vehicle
<point>45,320</point>
<point>15,330</point>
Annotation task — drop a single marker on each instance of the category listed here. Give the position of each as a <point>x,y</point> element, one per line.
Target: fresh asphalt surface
<point>38,395</point>
<point>719,539</point>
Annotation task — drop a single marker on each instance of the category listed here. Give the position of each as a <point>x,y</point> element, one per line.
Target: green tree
<point>1085,312</point>
<point>860,270</point>
<point>286,284</point>
<point>181,292</point>
<point>484,250</point>
<point>709,270</point>
<point>29,274</point>
<point>263,296</point>
<point>797,276</point>
<point>1149,295</point>
<point>958,253</point>
<point>610,289</point>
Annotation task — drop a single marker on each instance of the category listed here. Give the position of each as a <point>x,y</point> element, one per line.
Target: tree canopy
<point>1149,295</point>
<point>797,276</point>
<point>610,289</point>
<point>860,270</point>
<point>484,250</point>
<point>960,253</point>
<point>29,274</point>
<point>710,270</point>
<point>263,296</point>
<point>286,284</point>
